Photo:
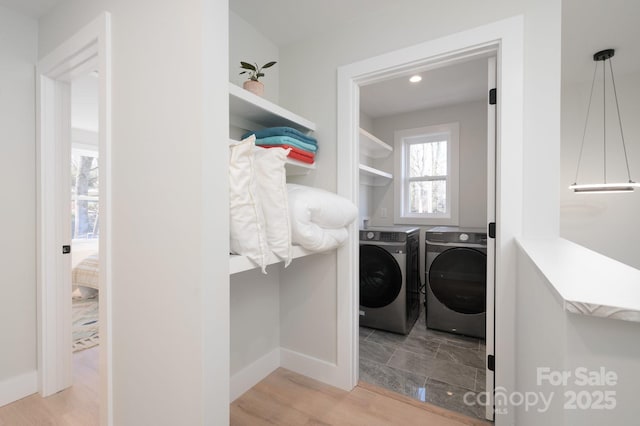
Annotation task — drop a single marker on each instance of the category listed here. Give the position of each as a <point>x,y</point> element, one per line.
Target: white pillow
<point>271,180</point>
<point>246,219</point>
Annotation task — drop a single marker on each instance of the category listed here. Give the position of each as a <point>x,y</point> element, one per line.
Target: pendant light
<point>604,56</point>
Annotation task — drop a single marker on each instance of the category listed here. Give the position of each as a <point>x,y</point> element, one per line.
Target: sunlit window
<point>428,159</point>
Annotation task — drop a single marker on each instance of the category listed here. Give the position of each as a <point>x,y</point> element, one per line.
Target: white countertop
<point>588,283</point>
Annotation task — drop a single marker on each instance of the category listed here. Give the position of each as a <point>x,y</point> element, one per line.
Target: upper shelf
<point>374,177</point>
<point>257,110</point>
<point>373,147</point>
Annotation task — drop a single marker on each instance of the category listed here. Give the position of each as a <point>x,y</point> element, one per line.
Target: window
<point>426,189</point>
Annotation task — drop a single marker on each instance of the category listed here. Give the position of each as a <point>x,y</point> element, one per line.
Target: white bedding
<point>319,218</point>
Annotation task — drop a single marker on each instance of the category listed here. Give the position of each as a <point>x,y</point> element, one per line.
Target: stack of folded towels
<point>303,147</point>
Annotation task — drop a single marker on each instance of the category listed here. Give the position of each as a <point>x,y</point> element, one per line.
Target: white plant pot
<point>255,87</point>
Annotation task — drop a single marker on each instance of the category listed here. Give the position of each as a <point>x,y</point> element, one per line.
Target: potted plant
<point>254,73</point>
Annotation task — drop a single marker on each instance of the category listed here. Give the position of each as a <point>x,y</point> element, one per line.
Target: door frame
<point>88,49</point>
<point>505,38</point>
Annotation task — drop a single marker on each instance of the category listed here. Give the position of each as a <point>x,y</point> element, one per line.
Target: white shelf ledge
<point>257,110</point>
<point>239,263</point>
<point>373,147</point>
<point>587,282</point>
<point>374,177</point>
<point>298,168</point>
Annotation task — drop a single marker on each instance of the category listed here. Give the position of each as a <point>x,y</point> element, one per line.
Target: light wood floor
<point>76,406</point>
<point>283,398</point>
<point>287,398</point>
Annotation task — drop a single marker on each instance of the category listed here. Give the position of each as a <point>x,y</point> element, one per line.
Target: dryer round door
<point>380,277</point>
<point>458,279</point>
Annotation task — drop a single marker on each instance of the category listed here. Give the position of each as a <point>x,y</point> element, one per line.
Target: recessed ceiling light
<point>415,79</point>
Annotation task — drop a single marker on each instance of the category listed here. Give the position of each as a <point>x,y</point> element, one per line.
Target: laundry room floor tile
<point>412,362</point>
<point>453,373</point>
<point>386,338</point>
<point>365,332</point>
<point>375,351</point>
<point>481,377</point>
<point>453,398</point>
<point>420,345</point>
<point>427,365</point>
<point>412,385</point>
<point>459,355</point>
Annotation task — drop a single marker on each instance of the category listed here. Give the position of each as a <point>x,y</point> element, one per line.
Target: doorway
<point>505,39</point>
<point>428,339</point>
<point>86,56</point>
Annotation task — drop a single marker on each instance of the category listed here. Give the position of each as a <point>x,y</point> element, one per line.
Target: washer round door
<point>458,279</point>
<point>380,277</point>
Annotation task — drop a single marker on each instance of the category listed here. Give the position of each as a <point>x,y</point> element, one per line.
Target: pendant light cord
<point>624,146</point>
<point>586,121</point>
<point>604,121</point>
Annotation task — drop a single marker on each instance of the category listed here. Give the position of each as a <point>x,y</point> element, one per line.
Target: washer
<point>389,278</point>
<point>456,277</point>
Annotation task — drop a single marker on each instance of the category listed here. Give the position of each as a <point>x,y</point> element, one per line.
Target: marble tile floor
<point>427,365</point>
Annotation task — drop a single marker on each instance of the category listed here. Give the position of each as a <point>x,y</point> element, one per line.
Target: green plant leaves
<point>247,66</point>
<point>254,71</point>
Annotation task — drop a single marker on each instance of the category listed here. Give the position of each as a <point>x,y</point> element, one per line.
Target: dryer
<point>456,277</point>
<point>389,278</point>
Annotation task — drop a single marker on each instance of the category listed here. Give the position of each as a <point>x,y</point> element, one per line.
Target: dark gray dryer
<point>389,278</point>
<point>456,277</point>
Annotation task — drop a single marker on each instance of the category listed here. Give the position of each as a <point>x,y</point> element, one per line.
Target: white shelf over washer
<point>373,147</point>
<point>374,177</point>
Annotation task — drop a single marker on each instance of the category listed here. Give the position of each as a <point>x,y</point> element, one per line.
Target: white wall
<point>84,103</point>
<point>365,199</point>
<point>472,117</point>
<point>408,24</point>
<point>606,223</point>
<point>550,337</point>
<point>372,34</point>
<point>248,45</point>
<point>255,316</point>
<point>18,56</point>
<point>255,298</point>
<point>169,170</point>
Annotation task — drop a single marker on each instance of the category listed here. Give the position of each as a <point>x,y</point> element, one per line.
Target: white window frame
<point>401,142</point>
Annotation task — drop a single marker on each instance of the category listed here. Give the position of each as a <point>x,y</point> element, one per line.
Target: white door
<point>491,241</point>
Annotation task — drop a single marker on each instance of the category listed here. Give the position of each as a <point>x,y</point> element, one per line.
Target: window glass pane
<point>428,197</point>
<point>428,159</point>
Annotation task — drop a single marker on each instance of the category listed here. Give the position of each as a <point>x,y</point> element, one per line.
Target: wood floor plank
<point>286,398</point>
<point>76,406</point>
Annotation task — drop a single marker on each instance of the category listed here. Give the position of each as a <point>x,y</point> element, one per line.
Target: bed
<point>85,293</point>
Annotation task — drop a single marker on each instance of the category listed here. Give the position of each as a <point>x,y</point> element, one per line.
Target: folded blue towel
<point>281,131</point>
<point>286,140</point>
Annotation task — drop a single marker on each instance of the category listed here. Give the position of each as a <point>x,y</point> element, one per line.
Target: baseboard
<point>314,368</point>
<point>249,376</point>
<point>18,387</point>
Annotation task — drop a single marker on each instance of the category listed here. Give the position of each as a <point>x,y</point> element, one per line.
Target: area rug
<point>85,324</point>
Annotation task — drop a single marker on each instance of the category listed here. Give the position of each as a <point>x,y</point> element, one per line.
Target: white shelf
<point>373,147</point>
<point>256,110</point>
<point>374,177</point>
<point>298,168</point>
<point>239,263</point>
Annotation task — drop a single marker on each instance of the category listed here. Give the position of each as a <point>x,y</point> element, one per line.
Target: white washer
<point>456,277</point>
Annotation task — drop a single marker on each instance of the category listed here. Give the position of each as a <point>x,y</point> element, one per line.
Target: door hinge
<point>492,230</point>
<point>491,362</point>
<point>492,97</point>
<point>66,249</point>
